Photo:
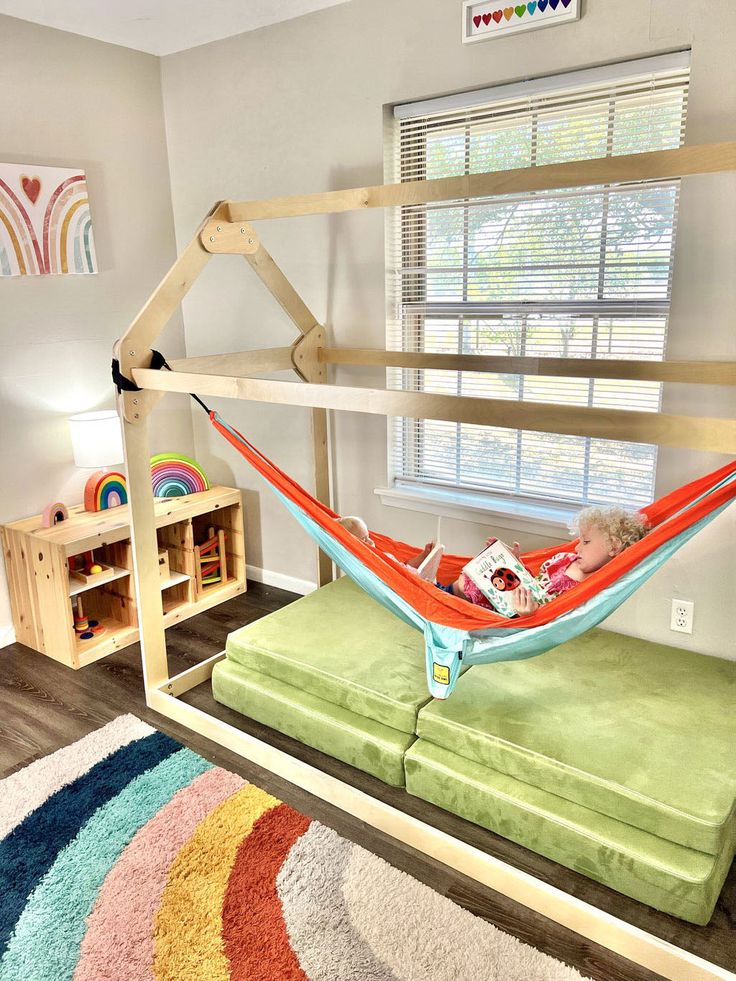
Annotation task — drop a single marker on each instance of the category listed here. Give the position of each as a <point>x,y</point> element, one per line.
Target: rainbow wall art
<point>105,489</point>
<point>174,475</point>
<point>45,223</point>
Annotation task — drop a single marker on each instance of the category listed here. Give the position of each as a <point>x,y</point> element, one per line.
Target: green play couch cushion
<point>668,876</point>
<point>643,733</point>
<point>342,646</point>
<point>364,743</point>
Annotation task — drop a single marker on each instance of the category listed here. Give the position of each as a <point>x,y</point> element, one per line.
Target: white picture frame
<point>484,20</point>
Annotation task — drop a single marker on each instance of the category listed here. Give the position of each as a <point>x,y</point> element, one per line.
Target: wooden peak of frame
<point>226,229</point>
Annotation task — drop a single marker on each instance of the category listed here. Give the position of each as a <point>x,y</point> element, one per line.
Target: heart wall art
<point>487,20</point>
<point>45,223</point>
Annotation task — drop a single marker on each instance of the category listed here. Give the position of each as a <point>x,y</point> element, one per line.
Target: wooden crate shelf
<point>43,593</point>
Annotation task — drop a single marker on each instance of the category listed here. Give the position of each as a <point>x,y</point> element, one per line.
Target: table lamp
<point>97,441</point>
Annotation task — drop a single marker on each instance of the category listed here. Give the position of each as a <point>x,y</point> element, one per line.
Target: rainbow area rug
<point>126,856</point>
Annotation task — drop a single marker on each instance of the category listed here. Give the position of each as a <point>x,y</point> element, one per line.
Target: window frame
<point>446,497</point>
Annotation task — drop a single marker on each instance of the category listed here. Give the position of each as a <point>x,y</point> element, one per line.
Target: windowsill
<point>540,519</point>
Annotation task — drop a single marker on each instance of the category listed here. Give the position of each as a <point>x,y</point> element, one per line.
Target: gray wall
<point>68,101</point>
<point>299,107</point>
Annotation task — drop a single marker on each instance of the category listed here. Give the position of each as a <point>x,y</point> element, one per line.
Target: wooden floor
<point>44,705</point>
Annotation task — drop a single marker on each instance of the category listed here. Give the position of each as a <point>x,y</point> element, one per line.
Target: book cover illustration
<point>497,572</point>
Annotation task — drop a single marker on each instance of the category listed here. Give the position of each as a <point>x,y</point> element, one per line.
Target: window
<point>585,273</point>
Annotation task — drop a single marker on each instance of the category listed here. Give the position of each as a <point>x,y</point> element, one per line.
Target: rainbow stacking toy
<point>105,489</point>
<point>174,475</point>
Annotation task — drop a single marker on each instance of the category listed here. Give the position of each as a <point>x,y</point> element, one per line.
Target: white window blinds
<point>582,273</point>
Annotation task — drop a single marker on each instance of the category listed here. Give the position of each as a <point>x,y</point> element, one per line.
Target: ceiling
<point>160,27</point>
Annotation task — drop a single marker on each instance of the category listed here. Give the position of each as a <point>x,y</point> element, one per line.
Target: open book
<point>497,573</point>
<point>427,569</point>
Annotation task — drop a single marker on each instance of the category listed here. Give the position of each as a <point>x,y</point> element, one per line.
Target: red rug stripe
<point>253,929</point>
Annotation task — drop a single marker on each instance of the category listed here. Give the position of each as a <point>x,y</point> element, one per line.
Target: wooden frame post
<point>145,555</point>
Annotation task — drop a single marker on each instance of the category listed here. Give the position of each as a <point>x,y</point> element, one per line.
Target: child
<point>604,532</point>
<point>357,527</point>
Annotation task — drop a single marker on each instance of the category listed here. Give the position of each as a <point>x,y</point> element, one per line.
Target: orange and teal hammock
<point>457,632</point>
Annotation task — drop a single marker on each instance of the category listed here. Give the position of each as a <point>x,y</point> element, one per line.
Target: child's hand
<point>524,602</point>
<point>515,548</point>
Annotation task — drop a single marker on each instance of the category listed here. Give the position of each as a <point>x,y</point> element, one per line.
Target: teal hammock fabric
<point>448,646</point>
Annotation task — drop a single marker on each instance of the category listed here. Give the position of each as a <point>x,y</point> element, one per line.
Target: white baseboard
<point>7,636</point>
<point>268,578</point>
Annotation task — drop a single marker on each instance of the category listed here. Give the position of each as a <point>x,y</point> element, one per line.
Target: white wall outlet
<point>681,618</point>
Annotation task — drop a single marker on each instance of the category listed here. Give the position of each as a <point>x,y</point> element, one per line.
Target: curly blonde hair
<point>621,527</point>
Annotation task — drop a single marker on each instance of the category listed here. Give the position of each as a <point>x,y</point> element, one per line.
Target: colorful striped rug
<point>126,856</point>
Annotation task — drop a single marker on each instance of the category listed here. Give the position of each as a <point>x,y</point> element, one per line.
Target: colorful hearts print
<point>531,8</point>
<point>32,188</point>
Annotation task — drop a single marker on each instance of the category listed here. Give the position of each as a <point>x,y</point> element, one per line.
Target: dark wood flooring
<point>44,705</point>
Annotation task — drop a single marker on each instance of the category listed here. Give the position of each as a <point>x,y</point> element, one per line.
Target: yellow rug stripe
<point>189,921</point>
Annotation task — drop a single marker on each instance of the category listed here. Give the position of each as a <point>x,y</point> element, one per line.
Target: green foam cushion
<point>641,732</point>
<point>667,876</point>
<point>339,644</point>
<point>368,745</point>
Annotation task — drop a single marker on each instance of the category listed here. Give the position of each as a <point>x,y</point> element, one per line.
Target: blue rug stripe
<point>31,849</point>
<point>47,938</point>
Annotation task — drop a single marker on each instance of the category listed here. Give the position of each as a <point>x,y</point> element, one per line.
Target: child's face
<point>593,549</point>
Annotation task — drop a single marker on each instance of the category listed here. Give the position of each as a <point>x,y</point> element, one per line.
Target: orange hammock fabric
<point>666,518</point>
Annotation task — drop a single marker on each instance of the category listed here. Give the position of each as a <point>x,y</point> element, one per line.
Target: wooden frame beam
<point>263,265</point>
<point>714,435</point>
<point>240,363</point>
<point>133,351</point>
<point>692,372</point>
<point>635,167</point>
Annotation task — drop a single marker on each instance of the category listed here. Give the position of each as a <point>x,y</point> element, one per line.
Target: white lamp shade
<point>97,439</point>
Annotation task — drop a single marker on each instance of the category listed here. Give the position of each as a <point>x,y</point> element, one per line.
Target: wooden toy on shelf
<point>210,560</point>
<point>89,570</point>
<point>105,489</point>
<point>173,475</point>
<point>85,628</point>
<point>53,514</point>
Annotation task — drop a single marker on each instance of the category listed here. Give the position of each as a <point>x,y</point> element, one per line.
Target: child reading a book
<point>424,565</point>
<point>604,532</point>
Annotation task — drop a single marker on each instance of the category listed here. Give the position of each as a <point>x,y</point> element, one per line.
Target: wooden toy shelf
<point>46,597</point>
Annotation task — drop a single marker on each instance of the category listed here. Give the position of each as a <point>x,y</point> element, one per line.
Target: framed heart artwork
<point>487,20</point>
<point>45,222</point>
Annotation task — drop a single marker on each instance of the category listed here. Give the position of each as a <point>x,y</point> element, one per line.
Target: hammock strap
<point>158,361</point>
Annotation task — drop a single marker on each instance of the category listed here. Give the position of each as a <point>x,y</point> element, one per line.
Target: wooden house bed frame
<point>228,229</point>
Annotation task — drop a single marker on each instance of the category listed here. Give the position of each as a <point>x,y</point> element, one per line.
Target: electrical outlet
<point>681,618</point>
